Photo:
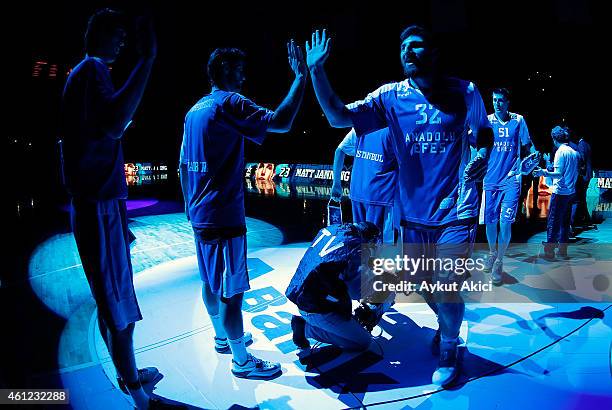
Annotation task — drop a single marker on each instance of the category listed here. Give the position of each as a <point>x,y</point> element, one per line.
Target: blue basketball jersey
<point>505,157</point>
<point>213,151</point>
<point>432,145</point>
<point>374,174</point>
<point>93,162</point>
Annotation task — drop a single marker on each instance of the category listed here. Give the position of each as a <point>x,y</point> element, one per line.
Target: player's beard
<point>417,68</point>
<point>421,66</point>
<point>410,70</point>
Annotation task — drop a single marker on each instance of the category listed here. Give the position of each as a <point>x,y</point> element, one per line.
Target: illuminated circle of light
<point>56,274</point>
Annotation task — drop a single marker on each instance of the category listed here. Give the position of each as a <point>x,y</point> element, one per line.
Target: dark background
<point>548,53</point>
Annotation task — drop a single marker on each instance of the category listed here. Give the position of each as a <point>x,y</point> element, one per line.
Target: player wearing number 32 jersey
<point>432,146</point>
<point>429,116</point>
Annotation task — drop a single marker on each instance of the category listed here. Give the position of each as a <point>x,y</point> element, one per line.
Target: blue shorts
<point>101,232</point>
<point>379,215</point>
<point>454,242</point>
<point>223,264</point>
<point>500,205</point>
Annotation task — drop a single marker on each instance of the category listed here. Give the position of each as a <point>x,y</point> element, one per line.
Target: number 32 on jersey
<point>427,114</point>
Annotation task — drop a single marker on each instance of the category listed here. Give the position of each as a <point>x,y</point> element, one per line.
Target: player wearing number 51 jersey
<point>502,183</point>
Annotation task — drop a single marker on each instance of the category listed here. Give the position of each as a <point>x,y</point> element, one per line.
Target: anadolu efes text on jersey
<point>505,157</point>
<point>432,144</point>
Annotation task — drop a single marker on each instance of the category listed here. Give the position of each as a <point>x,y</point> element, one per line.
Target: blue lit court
<point>526,355</point>
<point>330,131</point>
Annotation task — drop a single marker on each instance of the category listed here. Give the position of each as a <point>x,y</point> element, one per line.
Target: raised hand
<point>317,51</point>
<point>547,159</point>
<point>146,38</point>
<point>296,58</point>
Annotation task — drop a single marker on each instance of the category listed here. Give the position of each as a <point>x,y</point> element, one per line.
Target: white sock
<point>218,326</point>
<point>238,350</point>
<point>141,399</point>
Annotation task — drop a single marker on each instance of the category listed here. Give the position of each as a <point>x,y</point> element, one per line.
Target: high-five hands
<point>146,38</point>
<point>296,59</point>
<point>318,50</point>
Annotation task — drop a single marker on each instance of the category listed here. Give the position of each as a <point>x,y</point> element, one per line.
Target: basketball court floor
<point>548,349</point>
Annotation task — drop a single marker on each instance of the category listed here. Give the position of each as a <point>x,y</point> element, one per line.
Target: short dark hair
<point>103,21</point>
<point>418,31</point>
<point>221,57</point>
<point>560,134</point>
<point>502,91</point>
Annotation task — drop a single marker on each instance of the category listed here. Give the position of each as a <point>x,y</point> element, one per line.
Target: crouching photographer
<point>332,273</point>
